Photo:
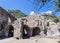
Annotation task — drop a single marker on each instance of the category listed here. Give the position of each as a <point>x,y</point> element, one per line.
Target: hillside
<point>17,13</point>
<point>56,19</point>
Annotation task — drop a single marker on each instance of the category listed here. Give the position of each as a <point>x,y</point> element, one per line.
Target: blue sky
<point>25,6</point>
<point>22,5</point>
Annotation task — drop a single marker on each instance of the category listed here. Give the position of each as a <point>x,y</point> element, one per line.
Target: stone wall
<point>34,25</point>
<point>4,22</point>
<point>28,23</point>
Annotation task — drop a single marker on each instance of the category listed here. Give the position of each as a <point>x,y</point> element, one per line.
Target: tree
<point>40,3</point>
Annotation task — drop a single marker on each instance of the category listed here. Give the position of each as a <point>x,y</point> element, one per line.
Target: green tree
<point>38,4</point>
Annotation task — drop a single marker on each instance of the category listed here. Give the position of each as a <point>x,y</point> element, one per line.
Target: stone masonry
<point>28,23</point>
<point>4,15</point>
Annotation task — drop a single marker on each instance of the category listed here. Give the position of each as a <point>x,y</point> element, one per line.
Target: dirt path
<point>38,40</point>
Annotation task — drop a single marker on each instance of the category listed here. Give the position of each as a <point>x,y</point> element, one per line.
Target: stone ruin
<point>31,26</point>
<point>35,25</point>
<point>26,27</point>
<point>4,22</point>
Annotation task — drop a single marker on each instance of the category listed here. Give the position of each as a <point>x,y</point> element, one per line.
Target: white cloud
<point>42,13</point>
<point>32,13</point>
<point>47,12</point>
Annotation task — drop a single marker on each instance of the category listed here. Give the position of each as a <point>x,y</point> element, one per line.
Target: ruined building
<point>34,25</point>
<point>31,26</point>
<point>4,16</point>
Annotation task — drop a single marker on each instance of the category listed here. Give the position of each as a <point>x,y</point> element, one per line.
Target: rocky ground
<point>31,40</point>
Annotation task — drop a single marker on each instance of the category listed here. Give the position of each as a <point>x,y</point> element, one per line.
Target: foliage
<point>49,16</point>
<point>52,17</point>
<point>59,18</point>
<point>56,20</point>
<point>38,4</point>
<point>17,13</point>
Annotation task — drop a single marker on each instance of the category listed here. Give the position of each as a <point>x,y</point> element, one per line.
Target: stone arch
<point>10,30</point>
<point>36,31</point>
<point>26,33</point>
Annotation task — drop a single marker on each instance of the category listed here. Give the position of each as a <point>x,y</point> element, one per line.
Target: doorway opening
<point>10,31</point>
<point>25,32</point>
<point>36,31</point>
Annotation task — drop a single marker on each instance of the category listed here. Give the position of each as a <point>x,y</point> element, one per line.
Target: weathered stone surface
<point>29,26</point>
<point>4,21</point>
<point>52,30</point>
<point>29,23</point>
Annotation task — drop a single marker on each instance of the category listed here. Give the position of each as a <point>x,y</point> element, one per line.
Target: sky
<point>25,6</point>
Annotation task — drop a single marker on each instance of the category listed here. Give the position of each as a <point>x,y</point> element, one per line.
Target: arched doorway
<point>36,31</point>
<point>10,31</point>
<point>25,32</point>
